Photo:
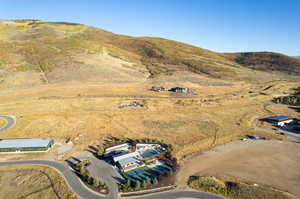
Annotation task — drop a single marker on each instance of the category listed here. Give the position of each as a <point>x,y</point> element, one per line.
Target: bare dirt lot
<point>274,163</point>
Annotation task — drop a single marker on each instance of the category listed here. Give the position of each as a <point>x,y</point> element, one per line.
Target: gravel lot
<point>274,163</point>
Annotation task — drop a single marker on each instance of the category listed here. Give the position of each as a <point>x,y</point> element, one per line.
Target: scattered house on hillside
<point>174,89</point>
<point>179,90</point>
<point>280,120</point>
<point>25,145</point>
<point>159,89</point>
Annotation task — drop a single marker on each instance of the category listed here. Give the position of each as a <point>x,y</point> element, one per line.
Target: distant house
<point>179,90</point>
<point>280,120</point>
<point>25,145</point>
<point>159,89</point>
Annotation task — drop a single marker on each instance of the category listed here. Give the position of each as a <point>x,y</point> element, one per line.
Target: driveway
<point>10,122</point>
<point>182,194</point>
<point>104,172</point>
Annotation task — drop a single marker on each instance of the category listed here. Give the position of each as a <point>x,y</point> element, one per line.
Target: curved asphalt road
<point>69,175</point>
<point>10,122</point>
<point>85,193</point>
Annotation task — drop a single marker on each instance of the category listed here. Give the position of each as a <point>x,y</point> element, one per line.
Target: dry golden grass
<point>87,113</point>
<point>32,181</point>
<point>2,122</point>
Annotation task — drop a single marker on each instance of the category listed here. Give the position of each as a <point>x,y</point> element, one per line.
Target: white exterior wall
<point>144,147</point>
<point>129,155</point>
<point>282,123</point>
<point>120,147</point>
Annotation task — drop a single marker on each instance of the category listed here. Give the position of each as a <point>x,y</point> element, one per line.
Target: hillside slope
<point>267,61</point>
<point>38,52</point>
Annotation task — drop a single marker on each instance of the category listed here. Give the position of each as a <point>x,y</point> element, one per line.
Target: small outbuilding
<point>25,145</point>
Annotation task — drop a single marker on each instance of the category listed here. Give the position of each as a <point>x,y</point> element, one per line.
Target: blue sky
<point>219,25</point>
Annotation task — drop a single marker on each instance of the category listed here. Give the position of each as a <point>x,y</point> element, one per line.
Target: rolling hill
<point>36,52</point>
<point>267,61</point>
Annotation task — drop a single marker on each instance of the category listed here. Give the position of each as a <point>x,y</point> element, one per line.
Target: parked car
<point>253,137</point>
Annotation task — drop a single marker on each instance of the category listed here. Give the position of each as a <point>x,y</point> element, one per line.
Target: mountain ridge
<point>62,51</point>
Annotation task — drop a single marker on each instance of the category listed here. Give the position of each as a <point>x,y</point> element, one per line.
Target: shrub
<point>154,181</point>
<point>137,186</point>
<point>100,150</point>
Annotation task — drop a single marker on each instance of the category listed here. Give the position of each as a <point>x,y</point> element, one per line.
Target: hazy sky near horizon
<point>219,25</point>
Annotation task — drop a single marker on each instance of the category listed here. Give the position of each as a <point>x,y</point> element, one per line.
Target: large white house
<point>128,157</point>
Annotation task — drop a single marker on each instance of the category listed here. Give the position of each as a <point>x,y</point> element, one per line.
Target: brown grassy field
<point>2,122</point>
<point>68,81</point>
<point>35,182</point>
<point>87,113</point>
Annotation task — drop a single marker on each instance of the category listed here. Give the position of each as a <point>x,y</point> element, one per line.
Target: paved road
<point>182,194</point>
<point>10,122</point>
<point>85,193</point>
<point>105,172</point>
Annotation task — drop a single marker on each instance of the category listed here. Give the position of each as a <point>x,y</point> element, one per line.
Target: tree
<point>128,182</point>
<point>154,181</point>
<point>90,179</point>
<point>100,151</point>
<point>82,170</point>
<point>137,185</point>
<point>143,184</point>
<point>96,182</point>
<point>147,182</point>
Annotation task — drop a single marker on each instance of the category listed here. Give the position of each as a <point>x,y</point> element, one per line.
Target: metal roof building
<point>25,145</point>
<point>278,118</point>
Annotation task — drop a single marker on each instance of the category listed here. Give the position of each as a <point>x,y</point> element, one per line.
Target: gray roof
<point>279,118</point>
<point>126,161</point>
<point>18,143</point>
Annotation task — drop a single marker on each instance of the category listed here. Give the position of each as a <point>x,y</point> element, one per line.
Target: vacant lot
<point>34,182</point>
<point>273,163</point>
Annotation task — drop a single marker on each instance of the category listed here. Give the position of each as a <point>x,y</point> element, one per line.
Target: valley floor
<point>86,113</point>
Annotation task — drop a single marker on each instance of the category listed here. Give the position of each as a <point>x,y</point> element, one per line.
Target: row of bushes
<point>136,185</point>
